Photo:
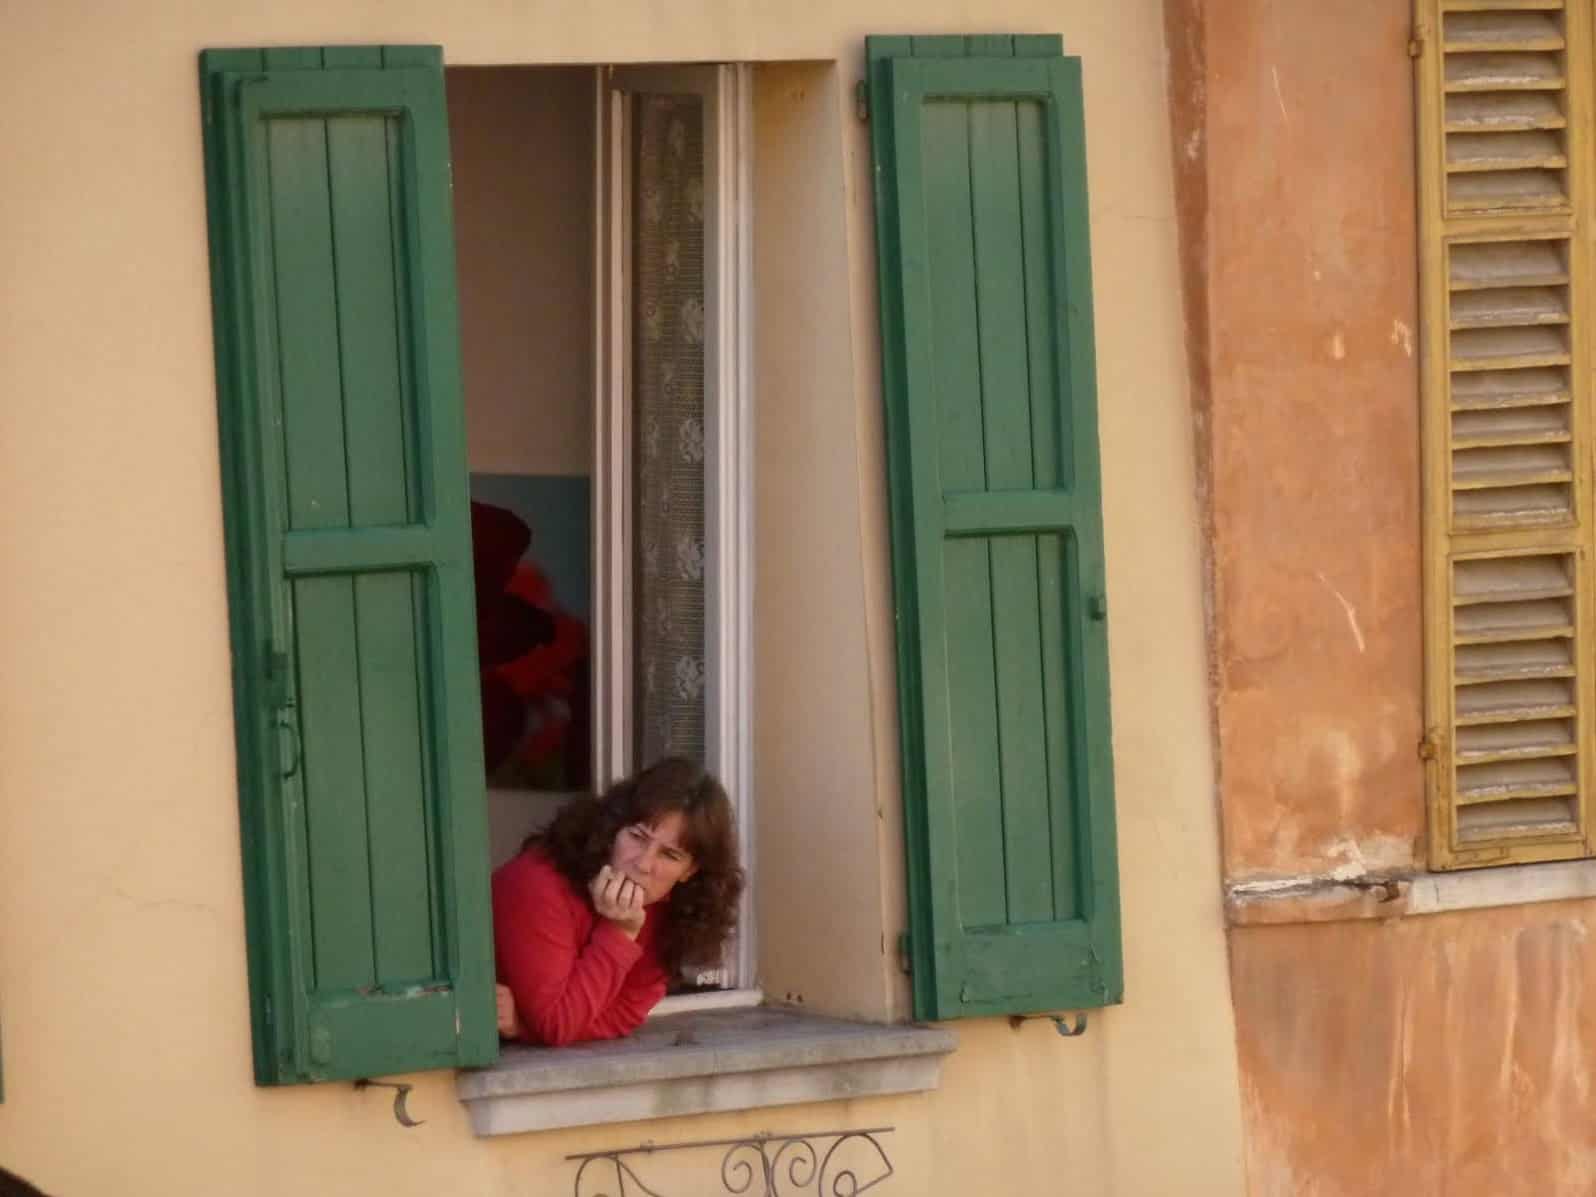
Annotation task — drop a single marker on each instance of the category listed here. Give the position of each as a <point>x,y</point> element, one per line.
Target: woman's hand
<point>509,1021</point>
<point>618,898</point>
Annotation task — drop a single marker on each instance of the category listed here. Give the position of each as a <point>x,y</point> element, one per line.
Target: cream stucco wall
<point>123,1005</point>
<point>810,585</point>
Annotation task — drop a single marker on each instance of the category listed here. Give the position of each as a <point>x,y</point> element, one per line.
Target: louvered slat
<point>1487,112</point>
<point>1477,663</point>
<point>1509,426</point>
<point>1509,388</point>
<point>1507,191</point>
<point>1506,150</point>
<point>1510,466</point>
<point>1503,73</point>
<point>1508,307</point>
<point>1497,623</point>
<point>1511,507</point>
<point>1508,264</point>
<point>1515,741</point>
<point>1508,348</point>
<point>1513,702</point>
<point>1499,822</point>
<point>1510,580</point>
<point>1500,781</point>
<point>1497,5</point>
<point>1499,28</point>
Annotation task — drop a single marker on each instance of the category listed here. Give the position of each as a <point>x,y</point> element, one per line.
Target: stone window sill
<point>701,1062</point>
<point>1327,900</point>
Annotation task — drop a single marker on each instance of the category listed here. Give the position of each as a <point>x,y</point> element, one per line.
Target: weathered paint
<point>1296,201</point>
<point>1251,904</point>
<point>1433,1054</point>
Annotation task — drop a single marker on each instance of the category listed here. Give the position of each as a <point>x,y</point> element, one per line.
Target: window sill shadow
<point>698,1063</point>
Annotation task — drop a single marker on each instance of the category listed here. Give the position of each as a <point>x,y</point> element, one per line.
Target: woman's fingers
<point>603,888</point>
<point>628,894</point>
<point>612,892</point>
<point>616,896</point>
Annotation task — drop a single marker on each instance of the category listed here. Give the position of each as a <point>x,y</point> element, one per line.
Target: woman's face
<point>653,856</point>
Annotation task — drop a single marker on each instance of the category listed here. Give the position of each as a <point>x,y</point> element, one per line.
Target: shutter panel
<point>997,542</point>
<point>349,559</point>
<point>1507,521</point>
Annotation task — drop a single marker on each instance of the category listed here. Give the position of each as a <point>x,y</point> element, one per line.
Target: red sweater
<point>574,975</point>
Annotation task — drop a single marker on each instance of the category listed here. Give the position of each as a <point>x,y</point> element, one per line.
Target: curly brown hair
<point>703,908</point>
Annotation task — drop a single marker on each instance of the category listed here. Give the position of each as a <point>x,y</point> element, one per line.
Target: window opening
<point>673,462</point>
<point>601,228</point>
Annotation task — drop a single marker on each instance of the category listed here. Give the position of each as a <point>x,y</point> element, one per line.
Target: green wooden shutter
<point>349,561</point>
<point>997,542</point>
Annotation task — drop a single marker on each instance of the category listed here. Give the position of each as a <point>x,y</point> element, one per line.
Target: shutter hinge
<point>1429,749</point>
<point>401,1093</point>
<point>1416,42</point>
<point>905,954</point>
<point>1061,1023</point>
<point>279,679</point>
<point>861,100</point>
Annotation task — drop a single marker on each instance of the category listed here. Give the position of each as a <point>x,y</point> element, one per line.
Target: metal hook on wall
<point>400,1113</point>
<point>1061,1022</point>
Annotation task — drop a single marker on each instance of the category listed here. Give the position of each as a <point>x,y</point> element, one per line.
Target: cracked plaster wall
<point>1294,128</point>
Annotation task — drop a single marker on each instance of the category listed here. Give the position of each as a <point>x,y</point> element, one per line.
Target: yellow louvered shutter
<point>1507,520</point>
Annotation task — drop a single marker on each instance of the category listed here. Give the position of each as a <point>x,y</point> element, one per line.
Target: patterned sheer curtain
<point>668,428</point>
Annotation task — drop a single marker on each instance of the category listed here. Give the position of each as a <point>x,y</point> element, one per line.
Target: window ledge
<point>1325,900</point>
<point>699,1063</point>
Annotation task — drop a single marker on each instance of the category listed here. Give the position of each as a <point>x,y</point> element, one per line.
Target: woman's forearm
<point>561,995</point>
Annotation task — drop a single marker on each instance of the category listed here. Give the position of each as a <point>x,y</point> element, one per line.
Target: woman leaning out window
<point>618,896</point>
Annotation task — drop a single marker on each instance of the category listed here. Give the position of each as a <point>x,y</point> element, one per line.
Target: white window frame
<point>726,91</point>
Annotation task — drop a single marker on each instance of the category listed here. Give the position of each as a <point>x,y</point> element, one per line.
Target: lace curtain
<point>668,428</point>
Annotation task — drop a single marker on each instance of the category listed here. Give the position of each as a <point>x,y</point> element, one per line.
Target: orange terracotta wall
<point>1418,1055</point>
<point>1439,1054</point>
<point>1294,128</point>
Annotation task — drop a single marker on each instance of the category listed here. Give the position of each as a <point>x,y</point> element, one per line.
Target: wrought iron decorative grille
<point>838,1163</point>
